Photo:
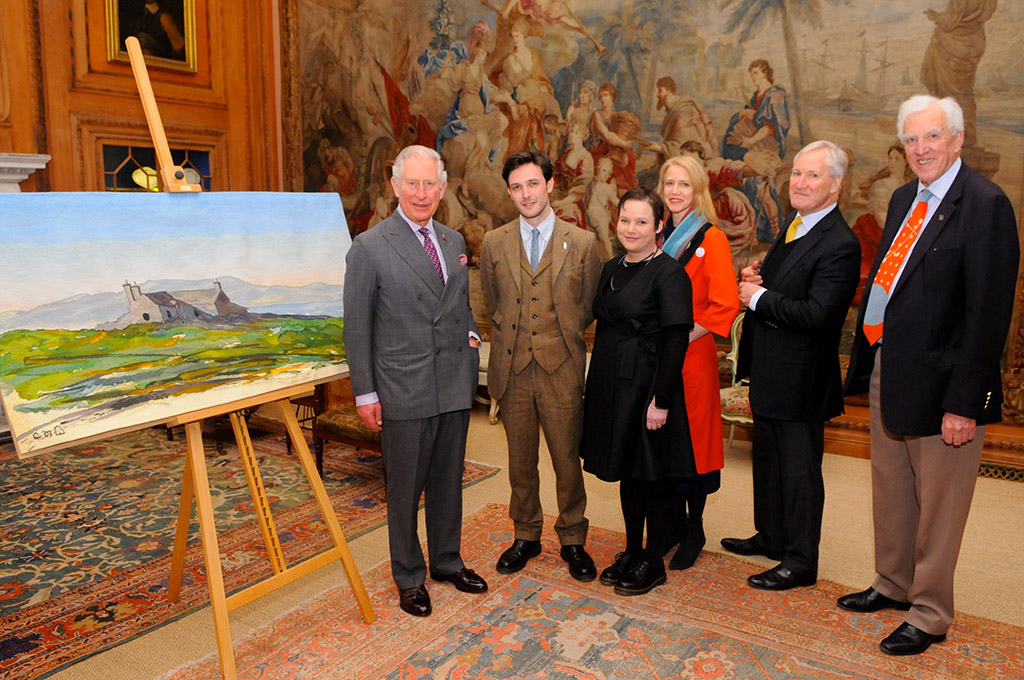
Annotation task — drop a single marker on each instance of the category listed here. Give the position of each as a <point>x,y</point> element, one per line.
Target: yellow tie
<point>793,226</point>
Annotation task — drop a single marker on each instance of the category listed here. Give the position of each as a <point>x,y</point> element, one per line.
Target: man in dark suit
<point>930,333</point>
<point>410,342</point>
<point>539,276</point>
<point>797,302</point>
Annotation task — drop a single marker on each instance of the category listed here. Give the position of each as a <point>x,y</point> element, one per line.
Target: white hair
<point>922,102</point>
<point>417,151</point>
<point>835,158</point>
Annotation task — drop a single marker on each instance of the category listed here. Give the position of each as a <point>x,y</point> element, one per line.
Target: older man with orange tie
<point>930,334</point>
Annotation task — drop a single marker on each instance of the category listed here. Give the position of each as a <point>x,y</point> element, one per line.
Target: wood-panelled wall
<point>60,95</point>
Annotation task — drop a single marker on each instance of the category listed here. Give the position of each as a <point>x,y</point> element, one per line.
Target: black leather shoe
<point>466,580</point>
<point>750,546</point>
<point>516,557</point>
<point>781,578</point>
<point>642,578</point>
<point>415,601</point>
<point>907,640</point>
<point>624,561</point>
<point>581,566</point>
<point>870,600</point>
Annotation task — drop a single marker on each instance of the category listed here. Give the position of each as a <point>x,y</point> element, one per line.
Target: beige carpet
<point>990,576</point>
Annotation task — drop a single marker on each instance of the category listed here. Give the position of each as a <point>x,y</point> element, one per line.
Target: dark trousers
<point>424,456</point>
<point>789,493</point>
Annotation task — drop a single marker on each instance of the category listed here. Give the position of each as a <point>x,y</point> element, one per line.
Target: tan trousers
<point>921,490</point>
<point>535,400</point>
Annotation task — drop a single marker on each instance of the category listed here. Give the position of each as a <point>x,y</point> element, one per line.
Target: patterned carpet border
<point>538,623</point>
<point>84,559</point>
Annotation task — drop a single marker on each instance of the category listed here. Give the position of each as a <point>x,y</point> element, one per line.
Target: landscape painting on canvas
<point>119,310</point>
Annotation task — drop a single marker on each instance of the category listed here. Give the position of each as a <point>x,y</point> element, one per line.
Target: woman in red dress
<point>704,250</point>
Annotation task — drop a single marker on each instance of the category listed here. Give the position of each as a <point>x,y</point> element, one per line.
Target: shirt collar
<point>546,227</point>
<point>940,187</point>
<point>808,221</point>
<point>416,227</point>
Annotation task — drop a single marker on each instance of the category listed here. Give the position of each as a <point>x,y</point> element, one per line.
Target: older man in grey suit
<point>411,345</point>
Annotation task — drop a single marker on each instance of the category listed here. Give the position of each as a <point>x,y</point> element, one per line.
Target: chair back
<point>734,339</point>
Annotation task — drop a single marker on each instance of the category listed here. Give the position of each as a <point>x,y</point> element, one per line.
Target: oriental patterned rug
<point>538,623</point>
<point>85,536</point>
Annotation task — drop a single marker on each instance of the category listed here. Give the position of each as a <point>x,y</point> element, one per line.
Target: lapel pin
<point>444,237</point>
<point>940,218</point>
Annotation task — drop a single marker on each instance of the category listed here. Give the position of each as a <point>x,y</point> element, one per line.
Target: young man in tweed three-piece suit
<point>539,275</point>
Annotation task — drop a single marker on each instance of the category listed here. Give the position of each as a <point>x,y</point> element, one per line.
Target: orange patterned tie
<point>874,315</point>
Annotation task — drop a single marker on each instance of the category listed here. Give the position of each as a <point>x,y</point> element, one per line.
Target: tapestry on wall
<point>611,88</point>
<point>119,310</point>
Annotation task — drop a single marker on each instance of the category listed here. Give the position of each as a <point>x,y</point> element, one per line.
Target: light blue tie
<point>534,248</point>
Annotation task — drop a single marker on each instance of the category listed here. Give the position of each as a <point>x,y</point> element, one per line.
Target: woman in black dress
<point>634,418</point>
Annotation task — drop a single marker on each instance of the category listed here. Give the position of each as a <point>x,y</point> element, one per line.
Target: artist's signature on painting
<point>55,431</point>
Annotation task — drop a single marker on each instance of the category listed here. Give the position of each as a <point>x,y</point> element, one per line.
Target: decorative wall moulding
<point>15,168</point>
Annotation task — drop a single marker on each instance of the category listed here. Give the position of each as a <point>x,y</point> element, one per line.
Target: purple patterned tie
<point>428,245</point>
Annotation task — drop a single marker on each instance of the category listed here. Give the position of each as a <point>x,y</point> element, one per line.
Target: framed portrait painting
<point>166,29</point>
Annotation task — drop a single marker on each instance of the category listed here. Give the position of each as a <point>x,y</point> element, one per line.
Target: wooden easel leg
<point>181,532</point>
<point>326,509</point>
<point>211,553</point>
<point>258,493</point>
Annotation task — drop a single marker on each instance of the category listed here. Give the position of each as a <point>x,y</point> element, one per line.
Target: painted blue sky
<point>55,245</point>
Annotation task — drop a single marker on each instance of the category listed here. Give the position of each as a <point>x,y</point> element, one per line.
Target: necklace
<point>629,265</point>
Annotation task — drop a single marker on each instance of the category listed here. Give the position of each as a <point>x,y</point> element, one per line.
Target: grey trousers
<point>424,456</point>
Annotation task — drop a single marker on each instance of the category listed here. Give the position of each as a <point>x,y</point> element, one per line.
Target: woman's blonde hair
<point>698,180</point>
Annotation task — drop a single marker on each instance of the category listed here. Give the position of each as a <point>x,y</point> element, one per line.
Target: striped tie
<point>878,297</point>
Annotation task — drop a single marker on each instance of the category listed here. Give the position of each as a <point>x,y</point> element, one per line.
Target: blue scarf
<point>684,231</point>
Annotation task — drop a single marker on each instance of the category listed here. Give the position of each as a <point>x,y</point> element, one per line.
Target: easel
<point>196,483</point>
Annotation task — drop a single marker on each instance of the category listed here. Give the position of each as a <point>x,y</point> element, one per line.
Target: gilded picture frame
<point>165,28</point>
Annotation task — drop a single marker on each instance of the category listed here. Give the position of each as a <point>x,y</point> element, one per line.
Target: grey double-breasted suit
<point>407,339</point>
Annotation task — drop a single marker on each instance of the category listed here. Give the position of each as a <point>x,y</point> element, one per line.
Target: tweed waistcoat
<point>538,334</point>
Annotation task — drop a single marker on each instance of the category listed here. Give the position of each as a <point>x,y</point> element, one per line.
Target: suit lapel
<point>935,225</point>
<point>512,247</point>
<point>452,260</point>
<point>803,244</point>
<point>559,247</point>
<point>409,248</point>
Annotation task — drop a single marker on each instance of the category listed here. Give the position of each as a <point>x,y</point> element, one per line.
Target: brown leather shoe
<point>466,580</point>
<point>414,601</point>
